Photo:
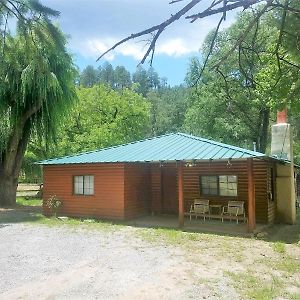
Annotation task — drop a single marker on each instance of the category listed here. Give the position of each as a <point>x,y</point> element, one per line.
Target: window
<point>209,185</point>
<point>84,185</point>
<point>219,185</point>
<point>228,185</point>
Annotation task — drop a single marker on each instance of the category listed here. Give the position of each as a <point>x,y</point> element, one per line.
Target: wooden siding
<point>137,190</point>
<point>164,189</point>
<point>108,198</point>
<point>169,189</point>
<point>271,192</point>
<point>156,191</point>
<point>238,168</point>
<point>130,190</point>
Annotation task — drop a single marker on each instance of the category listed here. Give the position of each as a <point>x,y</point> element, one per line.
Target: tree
<point>168,108</point>
<point>88,76</point>
<point>36,85</point>
<point>140,77</point>
<point>106,74</point>
<point>239,99</point>
<point>101,117</point>
<point>122,78</point>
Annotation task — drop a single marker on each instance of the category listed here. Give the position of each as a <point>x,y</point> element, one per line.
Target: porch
<point>197,225</point>
<point>175,186</point>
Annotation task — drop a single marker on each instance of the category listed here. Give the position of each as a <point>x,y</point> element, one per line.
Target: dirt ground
<point>45,259</point>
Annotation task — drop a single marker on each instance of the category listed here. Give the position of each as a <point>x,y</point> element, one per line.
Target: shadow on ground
<point>289,234</point>
<point>19,215</point>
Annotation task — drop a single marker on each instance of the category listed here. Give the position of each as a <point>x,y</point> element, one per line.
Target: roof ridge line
<point>218,143</point>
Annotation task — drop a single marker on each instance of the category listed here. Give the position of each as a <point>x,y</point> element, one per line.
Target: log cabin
<point>163,175</point>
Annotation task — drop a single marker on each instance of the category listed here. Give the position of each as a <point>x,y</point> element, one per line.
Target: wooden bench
<point>214,216</point>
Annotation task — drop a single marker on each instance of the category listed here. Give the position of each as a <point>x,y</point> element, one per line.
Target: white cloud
<point>95,47</point>
<point>175,47</point>
<point>97,25</point>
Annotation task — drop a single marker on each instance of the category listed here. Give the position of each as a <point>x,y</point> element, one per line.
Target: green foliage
<point>237,102</point>
<point>30,172</point>
<point>36,84</point>
<point>102,117</point>
<point>168,107</point>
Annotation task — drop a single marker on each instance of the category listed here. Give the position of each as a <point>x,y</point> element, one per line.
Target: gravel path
<point>40,262</point>
<point>83,261</point>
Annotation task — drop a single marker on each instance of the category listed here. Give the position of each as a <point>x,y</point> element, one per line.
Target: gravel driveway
<point>123,262</point>
<point>40,262</point>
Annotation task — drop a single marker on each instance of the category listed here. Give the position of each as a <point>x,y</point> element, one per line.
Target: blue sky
<point>95,25</point>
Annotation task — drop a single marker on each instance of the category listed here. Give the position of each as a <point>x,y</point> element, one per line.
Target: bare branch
<point>244,33</point>
<point>175,1</point>
<point>210,50</point>
<point>288,8</point>
<point>225,8</point>
<point>279,41</point>
<point>159,28</point>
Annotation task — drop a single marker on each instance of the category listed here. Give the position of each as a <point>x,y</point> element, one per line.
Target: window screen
<point>228,185</point>
<point>84,185</point>
<point>209,185</point>
<point>219,185</point>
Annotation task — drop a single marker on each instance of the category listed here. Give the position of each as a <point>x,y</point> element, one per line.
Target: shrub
<point>54,204</point>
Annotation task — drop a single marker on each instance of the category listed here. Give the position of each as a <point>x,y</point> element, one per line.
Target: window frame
<point>218,185</point>
<point>83,194</point>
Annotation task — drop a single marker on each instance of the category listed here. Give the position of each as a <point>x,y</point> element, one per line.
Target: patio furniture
<point>216,207</point>
<point>200,207</point>
<point>234,210</point>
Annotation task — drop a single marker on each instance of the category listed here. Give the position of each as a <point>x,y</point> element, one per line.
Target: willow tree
<point>36,87</point>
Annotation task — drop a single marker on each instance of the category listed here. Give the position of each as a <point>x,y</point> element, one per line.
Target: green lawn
<point>27,201</point>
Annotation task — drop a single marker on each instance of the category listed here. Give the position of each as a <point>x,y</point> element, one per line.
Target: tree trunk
<point>8,188</point>
<point>11,164</point>
<point>263,136</point>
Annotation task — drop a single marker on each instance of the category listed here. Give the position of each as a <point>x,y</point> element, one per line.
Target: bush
<point>54,204</point>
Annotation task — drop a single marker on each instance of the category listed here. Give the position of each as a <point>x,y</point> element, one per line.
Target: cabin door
<point>169,190</point>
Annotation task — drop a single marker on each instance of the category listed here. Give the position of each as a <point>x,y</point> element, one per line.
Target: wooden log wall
<point>156,189</point>
<point>271,192</point>
<point>238,168</point>
<point>137,190</point>
<point>107,201</point>
<point>265,209</point>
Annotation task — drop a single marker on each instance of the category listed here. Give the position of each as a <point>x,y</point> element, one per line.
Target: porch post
<point>180,194</point>
<point>251,196</point>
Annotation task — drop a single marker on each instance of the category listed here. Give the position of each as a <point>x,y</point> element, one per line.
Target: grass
<point>287,264</point>
<point>279,247</point>
<point>78,223</point>
<point>87,224</point>
<point>253,287</point>
<point>33,217</point>
<point>171,236</point>
<point>22,201</point>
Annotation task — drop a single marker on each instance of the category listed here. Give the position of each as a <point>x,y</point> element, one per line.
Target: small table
<point>216,206</point>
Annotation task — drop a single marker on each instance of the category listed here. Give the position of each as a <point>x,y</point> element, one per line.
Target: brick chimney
<point>282,148</point>
<point>281,145</point>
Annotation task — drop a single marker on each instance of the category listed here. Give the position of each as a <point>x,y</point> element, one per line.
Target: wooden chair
<point>200,207</point>
<point>234,209</point>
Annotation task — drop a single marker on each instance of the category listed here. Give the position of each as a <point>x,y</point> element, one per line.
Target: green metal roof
<point>169,147</point>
